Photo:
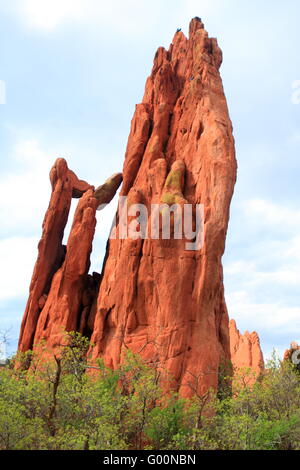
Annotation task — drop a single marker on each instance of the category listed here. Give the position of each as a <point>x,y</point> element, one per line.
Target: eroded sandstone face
<point>245,353</point>
<point>156,297</point>
<point>61,291</point>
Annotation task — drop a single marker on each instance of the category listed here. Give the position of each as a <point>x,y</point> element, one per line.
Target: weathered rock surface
<point>156,297</point>
<point>245,352</point>
<point>60,283</point>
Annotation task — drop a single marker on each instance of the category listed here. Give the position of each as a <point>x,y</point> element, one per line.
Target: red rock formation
<point>245,351</point>
<point>60,281</point>
<point>156,297</point>
<point>289,352</point>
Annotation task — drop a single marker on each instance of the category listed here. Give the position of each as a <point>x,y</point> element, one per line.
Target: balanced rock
<point>60,276</point>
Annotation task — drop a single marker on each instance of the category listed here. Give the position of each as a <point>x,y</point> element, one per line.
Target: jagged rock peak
<point>245,350</point>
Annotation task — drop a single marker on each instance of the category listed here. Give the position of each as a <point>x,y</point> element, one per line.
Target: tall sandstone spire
<point>154,296</point>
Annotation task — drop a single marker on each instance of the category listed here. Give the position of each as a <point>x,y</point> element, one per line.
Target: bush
<point>56,404</point>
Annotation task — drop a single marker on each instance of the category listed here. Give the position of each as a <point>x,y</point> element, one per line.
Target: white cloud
<point>46,15</point>
<point>202,8</point>
<point>293,248</point>
<point>28,152</point>
<point>294,138</point>
<point>289,275</point>
<point>263,213</point>
<point>273,240</point>
<point>296,93</point>
<point>125,17</point>
<point>271,316</point>
<point>25,191</point>
<point>263,284</point>
<point>18,255</point>
<point>275,260</point>
<point>276,324</point>
<point>283,256</point>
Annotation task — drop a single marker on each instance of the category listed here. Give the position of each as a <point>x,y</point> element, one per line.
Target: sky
<point>71,72</point>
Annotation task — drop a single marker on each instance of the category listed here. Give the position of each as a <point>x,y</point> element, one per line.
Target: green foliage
<point>64,402</point>
<point>165,422</point>
<point>174,180</point>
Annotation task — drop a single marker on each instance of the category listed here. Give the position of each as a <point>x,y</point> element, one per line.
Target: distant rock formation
<point>245,351</point>
<point>154,296</point>
<point>293,354</point>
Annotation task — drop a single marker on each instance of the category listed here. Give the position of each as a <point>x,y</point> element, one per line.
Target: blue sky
<point>73,72</point>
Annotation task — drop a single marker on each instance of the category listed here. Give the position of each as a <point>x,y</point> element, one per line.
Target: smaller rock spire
<point>245,351</point>
<point>195,24</point>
